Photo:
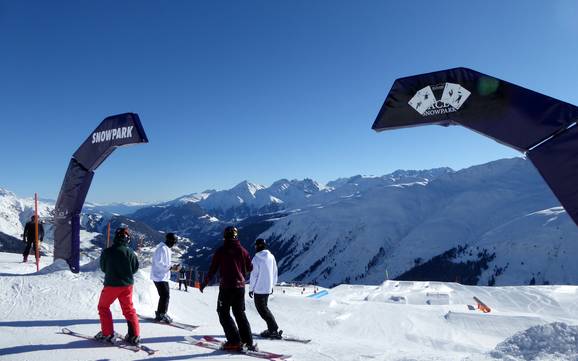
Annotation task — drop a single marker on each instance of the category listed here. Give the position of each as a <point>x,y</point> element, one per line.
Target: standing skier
<point>263,279</point>
<point>183,278</point>
<point>29,237</point>
<point>119,263</point>
<point>233,263</point>
<point>161,274</point>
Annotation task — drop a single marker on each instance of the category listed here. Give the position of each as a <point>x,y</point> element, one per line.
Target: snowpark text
<point>117,133</point>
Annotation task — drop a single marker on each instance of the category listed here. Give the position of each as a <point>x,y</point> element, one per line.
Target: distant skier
<point>233,263</point>
<point>29,237</point>
<point>119,263</point>
<point>183,278</point>
<point>161,274</point>
<point>263,279</point>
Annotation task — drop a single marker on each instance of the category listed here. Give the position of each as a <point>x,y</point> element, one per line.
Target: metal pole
<point>37,246</point>
<point>108,235</point>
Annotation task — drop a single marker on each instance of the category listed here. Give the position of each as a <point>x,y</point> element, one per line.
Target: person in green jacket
<point>119,263</point>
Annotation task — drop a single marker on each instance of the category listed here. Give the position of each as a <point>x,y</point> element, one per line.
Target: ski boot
<point>132,339</point>
<point>163,318</point>
<point>100,337</point>
<point>271,334</point>
<point>232,346</point>
<point>252,347</point>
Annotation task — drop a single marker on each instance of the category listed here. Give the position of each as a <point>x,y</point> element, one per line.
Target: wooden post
<point>37,246</point>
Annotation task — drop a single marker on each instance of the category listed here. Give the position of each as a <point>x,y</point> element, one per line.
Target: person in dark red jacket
<point>233,263</point>
<point>119,263</point>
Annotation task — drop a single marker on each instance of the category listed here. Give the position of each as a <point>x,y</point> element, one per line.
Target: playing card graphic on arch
<point>422,100</point>
<point>455,95</point>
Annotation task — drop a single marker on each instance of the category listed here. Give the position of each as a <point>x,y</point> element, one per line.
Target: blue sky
<point>256,90</point>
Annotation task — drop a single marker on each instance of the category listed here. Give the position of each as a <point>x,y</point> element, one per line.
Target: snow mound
<point>57,266</point>
<point>553,341</point>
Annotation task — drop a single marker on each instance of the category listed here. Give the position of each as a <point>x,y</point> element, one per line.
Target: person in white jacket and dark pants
<point>263,279</point>
<point>161,274</point>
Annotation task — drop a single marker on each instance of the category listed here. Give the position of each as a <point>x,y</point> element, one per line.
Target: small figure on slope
<point>233,263</point>
<point>161,274</point>
<point>263,279</point>
<point>183,278</point>
<point>119,263</point>
<point>29,237</point>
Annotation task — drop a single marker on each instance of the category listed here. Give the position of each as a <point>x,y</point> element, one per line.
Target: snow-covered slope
<point>15,212</point>
<point>117,208</point>
<point>392,321</point>
<point>499,217</point>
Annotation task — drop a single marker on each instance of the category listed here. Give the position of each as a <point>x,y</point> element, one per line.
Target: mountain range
<point>492,224</point>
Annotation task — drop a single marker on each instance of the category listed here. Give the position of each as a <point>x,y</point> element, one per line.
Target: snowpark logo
<point>453,97</point>
<point>112,134</point>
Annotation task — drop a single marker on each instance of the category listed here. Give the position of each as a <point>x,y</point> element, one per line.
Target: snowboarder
<point>233,263</point>
<point>29,237</point>
<point>263,279</point>
<point>161,274</point>
<point>119,263</point>
<point>183,278</point>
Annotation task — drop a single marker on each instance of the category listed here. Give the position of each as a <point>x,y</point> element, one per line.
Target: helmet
<point>170,239</point>
<point>121,235</point>
<point>230,233</point>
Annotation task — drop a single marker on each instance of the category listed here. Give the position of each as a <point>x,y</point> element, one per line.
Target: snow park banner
<point>538,125</point>
<point>114,131</point>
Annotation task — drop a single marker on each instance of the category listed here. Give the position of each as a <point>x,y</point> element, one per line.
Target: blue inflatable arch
<point>114,131</point>
<point>540,126</point>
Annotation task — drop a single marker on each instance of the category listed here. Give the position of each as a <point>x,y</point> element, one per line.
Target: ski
<point>284,337</point>
<point>117,341</point>
<point>180,325</point>
<point>215,344</point>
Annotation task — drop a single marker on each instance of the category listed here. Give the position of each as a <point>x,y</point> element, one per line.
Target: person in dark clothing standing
<point>119,263</point>
<point>183,278</point>
<point>233,263</point>
<point>29,237</point>
<point>263,279</point>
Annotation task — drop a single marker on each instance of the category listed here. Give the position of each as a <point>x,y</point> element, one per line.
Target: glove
<point>250,294</point>
<point>202,288</point>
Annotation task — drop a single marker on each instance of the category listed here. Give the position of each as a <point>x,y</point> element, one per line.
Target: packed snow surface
<point>391,321</point>
<point>551,341</point>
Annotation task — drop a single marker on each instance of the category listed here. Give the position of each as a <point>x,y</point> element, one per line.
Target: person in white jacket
<point>161,274</point>
<point>263,279</point>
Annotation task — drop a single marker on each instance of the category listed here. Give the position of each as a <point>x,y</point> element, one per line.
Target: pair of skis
<point>201,341</point>
<point>120,343</point>
<point>180,325</point>
<point>212,343</point>
<point>115,341</point>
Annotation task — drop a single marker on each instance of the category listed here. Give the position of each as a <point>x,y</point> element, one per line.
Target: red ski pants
<point>124,294</point>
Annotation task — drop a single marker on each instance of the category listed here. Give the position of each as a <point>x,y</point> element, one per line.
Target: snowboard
<point>284,337</point>
<point>116,341</point>
<point>180,325</point>
<point>215,344</point>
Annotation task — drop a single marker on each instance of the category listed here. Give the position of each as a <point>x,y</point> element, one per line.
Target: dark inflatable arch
<point>114,131</point>
<point>541,127</point>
